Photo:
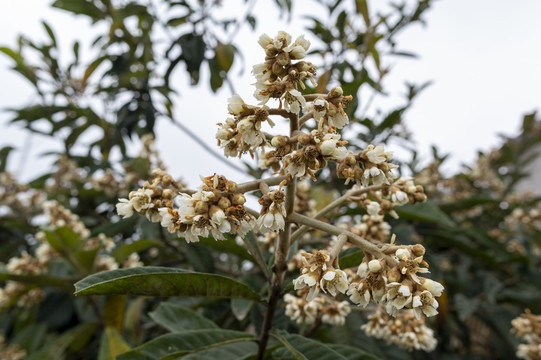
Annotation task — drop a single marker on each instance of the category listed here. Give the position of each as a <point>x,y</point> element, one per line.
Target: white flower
<point>377,154</point>
<point>374,174</point>
<point>293,100</point>
<point>320,106</point>
<point>310,280</point>
<point>142,199</point>
<point>424,303</point>
<point>334,279</point>
<point>338,316</point>
<point>282,40</point>
<point>373,208</point>
<point>235,104</point>
<point>403,254</point>
<point>124,208</point>
<point>310,310</point>
<point>329,147</point>
<point>400,198</point>
<point>398,296</point>
<point>359,294</point>
<point>337,118</point>
<point>374,266</point>
<point>264,40</point>
<point>362,270</point>
<point>106,262</point>
<point>434,287</point>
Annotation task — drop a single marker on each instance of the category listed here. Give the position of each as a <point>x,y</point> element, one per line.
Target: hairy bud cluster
<point>147,200</point>
<point>399,286</point>
<point>405,330</point>
<point>372,228</point>
<point>215,209</point>
<point>278,77</point>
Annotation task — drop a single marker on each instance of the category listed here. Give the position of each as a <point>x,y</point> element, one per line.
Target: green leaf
<point>466,306</point>
<point>241,308</point>
<point>40,280</point>
<point>352,353</point>
<point>123,252</point>
<point>173,345</point>
<point>304,348</point>
<point>80,7</point>
<point>427,211</point>
<point>56,347</point>
<point>112,344</point>
<point>69,244</point>
<point>4,153</point>
<point>162,281</point>
<point>234,350</point>
<point>176,317</point>
<point>350,258</point>
<point>224,54</point>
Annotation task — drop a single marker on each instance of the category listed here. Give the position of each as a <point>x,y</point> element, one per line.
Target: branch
<point>334,204</point>
<point>206,147</point>
<point>254,185</point>
<point>364,244</point>
<point>309,115</point>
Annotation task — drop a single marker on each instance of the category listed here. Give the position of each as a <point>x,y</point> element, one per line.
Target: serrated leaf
<point>174,345</point>
<point>112,344</point>
<point>163,282</point>
<point>175,317</point>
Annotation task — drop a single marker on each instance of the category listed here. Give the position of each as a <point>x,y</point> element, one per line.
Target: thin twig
<point>254,185</point>
<point>362,243</point>
<point>334,204</point>
<point>211,151</point>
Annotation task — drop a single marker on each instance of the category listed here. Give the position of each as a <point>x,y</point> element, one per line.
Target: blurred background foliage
<point>482,236</point>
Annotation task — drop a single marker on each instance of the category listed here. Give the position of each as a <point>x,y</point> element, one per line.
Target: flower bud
<point>279,140</point>
<point>271,51</point>
<point>304,139</point>
<point>418,250</point>
<point>238,199</point>
<point>264,41</point>
<point>350,160</point>
<point>168,194</point>
<point>403,254</point>
<point>336,92</point>
<point>394,275</point>
<point>201,207</point>
<point>231,186</point>
<point>224,203</point>
<point>374,266</point>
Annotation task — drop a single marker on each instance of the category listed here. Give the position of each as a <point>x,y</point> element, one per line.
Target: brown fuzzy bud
<point>418,250</point>
<point>394,275</point>
<point>271,51</point>
<point>224,203</point>
<point>167,180</point>
<point>336,92</point>
<point>304,139</point>
<point>168,194</point>
<point>238,199</point>
<point>283,59</point>
<point>279,141</point>
<point>231,186</point>
<point>350,160</point>
<point>201,207</point>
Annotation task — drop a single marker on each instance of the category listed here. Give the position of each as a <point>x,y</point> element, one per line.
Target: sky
<point>482,56</point>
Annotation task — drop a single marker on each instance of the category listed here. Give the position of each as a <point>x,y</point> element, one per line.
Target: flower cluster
<point>398,286</point>
<point>405,330</point>
<point>370,166</point>
<point>147,200</point>
<point>215,209</point>
<point>372,228</point>
<point>527,327</point>
<point>318,274</point>
<point>326,309</point>
<point>273,212</point>
<point>242,133</point>
<point>329,110</point>
<point>12,351</point>
<point>278,77</point>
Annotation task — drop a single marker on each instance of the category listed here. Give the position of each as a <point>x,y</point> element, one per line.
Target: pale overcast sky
<point>483,56</point>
